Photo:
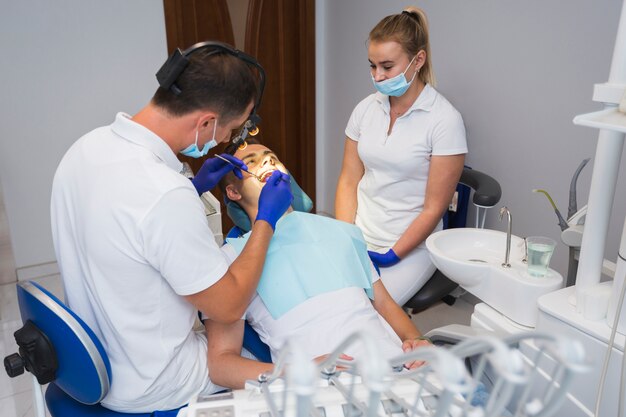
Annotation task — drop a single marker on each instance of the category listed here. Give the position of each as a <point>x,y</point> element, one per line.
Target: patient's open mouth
<point>266,175</point>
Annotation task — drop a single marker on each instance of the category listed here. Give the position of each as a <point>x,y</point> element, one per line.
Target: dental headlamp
<point>178,61</point>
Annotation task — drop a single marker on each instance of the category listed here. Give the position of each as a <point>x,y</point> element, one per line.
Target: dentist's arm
<point>213,169</point>
<point>226,366</point>
<point>352,171</point>
<point>227,299</point>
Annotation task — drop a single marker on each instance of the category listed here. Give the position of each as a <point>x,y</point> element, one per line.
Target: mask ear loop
<point>414,75</point>
<point>214,129</point>
<point>417,71</point>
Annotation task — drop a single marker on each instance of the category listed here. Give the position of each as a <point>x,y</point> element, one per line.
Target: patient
<point>319,294</point>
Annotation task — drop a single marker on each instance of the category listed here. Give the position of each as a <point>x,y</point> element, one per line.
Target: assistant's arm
<point>227,299</point>
<point>352,171</point>
<point>443,177</point>
<point>226,365</point>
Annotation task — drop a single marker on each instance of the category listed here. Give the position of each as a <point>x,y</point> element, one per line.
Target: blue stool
<point>58,348</point>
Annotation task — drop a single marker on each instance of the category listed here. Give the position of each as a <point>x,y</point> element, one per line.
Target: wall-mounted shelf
<point>609,119</point>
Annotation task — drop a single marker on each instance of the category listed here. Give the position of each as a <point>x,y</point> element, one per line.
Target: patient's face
<point>261,161</point>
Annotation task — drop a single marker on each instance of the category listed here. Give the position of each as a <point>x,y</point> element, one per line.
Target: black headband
<point>412,15</point>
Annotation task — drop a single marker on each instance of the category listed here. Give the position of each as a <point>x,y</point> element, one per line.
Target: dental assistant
<point>135,252</point>
<point>404,151</point>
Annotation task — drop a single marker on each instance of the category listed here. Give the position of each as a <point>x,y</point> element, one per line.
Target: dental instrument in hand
<point>260,179</point>
<point>238,167</point>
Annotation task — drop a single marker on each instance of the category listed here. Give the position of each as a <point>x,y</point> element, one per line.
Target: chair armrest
<point>487,191</point>
<point>455,333</point>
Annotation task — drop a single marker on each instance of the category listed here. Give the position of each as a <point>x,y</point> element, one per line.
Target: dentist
<point>135,252</point>
<point>403,156</point>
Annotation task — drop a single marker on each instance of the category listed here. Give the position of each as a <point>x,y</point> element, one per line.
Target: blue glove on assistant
<point>212,171</point>
<point>383,260</point>
<point>275,198</point>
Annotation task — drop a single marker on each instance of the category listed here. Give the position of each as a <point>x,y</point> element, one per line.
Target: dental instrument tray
<point>480,376</point>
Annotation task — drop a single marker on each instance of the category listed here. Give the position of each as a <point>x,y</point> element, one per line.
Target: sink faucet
<point>506,263</point>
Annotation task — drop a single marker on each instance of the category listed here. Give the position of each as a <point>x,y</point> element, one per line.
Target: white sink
<point>473,258</point>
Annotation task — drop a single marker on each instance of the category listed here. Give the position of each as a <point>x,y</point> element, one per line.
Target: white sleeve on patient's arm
<point>375,276</point>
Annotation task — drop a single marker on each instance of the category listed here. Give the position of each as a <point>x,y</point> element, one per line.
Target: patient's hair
<point>410,30</point>
<point>231,148</point>
<point>219,82</point>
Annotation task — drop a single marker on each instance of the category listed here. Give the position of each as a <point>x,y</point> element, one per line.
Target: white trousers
<point>405,278</point>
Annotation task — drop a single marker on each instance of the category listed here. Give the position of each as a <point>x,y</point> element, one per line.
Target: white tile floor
<point>16,393</point>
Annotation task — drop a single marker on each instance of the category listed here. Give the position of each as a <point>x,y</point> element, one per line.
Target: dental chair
<point>487,193</point>
<point>60,350</point>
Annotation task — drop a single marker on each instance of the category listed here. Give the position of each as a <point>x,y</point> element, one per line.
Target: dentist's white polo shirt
<point>392,190</point>
<point>132,239</point>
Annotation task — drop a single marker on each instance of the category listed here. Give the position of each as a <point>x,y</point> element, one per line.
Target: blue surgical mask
<point>395,86</point>
<point>194,152</point>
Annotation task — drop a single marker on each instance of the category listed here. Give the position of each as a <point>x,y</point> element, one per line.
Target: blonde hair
<point>410,30</point>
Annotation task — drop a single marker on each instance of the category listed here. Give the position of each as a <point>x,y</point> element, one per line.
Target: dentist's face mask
<point>194,152</point>
<point>395,86</point>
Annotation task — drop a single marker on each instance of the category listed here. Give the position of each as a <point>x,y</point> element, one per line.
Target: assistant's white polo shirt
<point>393,188</point>
<point>131,239</point>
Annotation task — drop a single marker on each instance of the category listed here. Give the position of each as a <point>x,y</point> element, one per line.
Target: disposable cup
<point>540,250</point>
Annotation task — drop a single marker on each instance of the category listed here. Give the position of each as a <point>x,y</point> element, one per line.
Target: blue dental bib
<point>310,255</point>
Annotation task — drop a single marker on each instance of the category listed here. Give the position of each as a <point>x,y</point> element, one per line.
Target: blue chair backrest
<point>84,371</point>
<point>458,217</point>
<point>83,375</point>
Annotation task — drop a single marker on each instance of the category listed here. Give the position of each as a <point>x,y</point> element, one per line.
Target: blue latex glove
<point>383,260</point>
<point>275,198</point>
<point>212,171</point>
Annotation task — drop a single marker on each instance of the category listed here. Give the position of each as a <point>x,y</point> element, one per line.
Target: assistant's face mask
<point>194,152</point>
<point>395,86</point>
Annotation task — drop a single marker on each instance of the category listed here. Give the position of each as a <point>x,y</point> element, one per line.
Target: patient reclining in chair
<point>318,285</point>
